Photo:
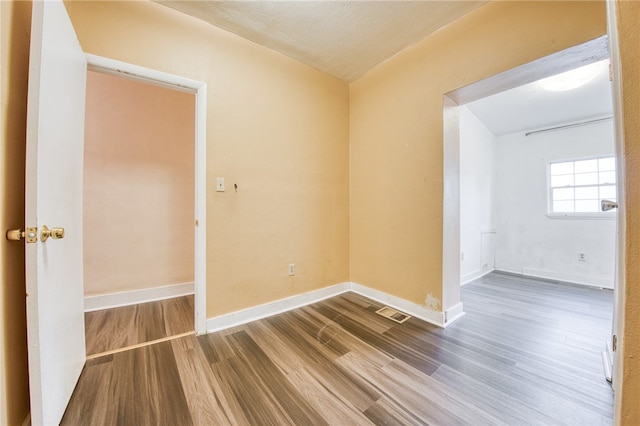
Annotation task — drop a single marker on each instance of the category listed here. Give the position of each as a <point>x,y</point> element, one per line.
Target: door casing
<point>620,275</point>
<point>592,51</point>
<point>158,78</point>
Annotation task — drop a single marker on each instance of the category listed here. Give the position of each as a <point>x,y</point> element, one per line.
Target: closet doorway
<point>139,209</point>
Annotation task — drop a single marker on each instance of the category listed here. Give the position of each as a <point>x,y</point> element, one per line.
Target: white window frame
<point>610,215</point>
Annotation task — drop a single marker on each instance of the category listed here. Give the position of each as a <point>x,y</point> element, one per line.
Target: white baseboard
<point>272,308</point>
<point>125,298</point>
<point>467,278</point>
<point>453,313</point>
<point>570,278</point>
<point>413,309</point>
<point>441,319</point>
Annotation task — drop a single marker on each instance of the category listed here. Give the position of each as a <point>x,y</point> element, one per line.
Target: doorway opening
<point>536,163</point>
<point>144,208</point>
<point>488,234</point>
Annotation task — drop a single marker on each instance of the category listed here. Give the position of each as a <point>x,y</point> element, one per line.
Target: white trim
<point>583,216</point>
<point>433,317</point>
<point>200,302</point>
<point>472,276</point>
<point>133,297</point>
<point>159,78</point>
<point>621,255</point>
<point>588,281</point>
<point>450,204</point>
<point>244,316</point>
<point>136,72</point>
<point>453,313</point>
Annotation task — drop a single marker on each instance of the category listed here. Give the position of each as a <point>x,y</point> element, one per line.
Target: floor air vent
<point>393,315</point>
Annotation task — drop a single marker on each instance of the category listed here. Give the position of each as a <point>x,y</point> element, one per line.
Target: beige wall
<point>628,401</point>
<point>15,24</point>
<point>396,134</point>
<point>276,128</point>
<point>138,185</point>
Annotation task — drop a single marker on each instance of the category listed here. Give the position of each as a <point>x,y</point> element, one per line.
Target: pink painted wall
<point>138,185</point>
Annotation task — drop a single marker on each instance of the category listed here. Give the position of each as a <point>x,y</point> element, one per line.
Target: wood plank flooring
<point>526,352</point>
<point>117,328</point>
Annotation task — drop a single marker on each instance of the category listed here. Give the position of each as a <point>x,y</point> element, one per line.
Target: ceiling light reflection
<point>574,78</point>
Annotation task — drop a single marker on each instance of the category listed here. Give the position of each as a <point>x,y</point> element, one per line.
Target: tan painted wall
<point>15,25</point>
<point>628,402</point>
<point>276,128</point>
<point>138,185</point>
<point>396,133</point>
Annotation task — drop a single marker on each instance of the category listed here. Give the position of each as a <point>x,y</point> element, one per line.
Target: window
<point>578,187</point>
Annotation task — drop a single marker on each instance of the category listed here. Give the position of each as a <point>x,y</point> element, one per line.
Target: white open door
<point>611,363</point>
<point>55,139</point>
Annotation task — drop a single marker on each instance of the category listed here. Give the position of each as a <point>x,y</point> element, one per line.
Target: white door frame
<point>159,78</point>
<point>620,280</point>
<point>583,54</point>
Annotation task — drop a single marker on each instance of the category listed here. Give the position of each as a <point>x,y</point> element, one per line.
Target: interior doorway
<point>145,225</point>
<point>138,212</point>
<point>536,162</point>
<point>587,53</point>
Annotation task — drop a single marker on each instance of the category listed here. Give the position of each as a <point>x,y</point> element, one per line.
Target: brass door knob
<point>55,233</point>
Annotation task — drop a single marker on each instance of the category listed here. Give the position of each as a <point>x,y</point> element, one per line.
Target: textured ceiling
<point>348,38</point>
<point>341,38</point>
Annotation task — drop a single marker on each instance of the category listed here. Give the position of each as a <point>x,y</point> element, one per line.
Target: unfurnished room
<point>319,212</point>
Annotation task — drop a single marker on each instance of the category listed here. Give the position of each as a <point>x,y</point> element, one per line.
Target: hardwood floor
<point>117,328</point>
<point>526,352</point>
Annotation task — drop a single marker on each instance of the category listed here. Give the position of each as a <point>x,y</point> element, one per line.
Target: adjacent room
<point>535,164</point>
<point>138,212</point>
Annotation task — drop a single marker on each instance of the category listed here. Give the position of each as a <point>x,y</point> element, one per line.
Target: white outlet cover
<point>220,184</point>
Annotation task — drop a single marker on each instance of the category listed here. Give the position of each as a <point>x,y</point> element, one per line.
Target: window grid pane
<point>607,177</point>
<point>562,168</point>
<point>608,192</point>
<point>586,166</point>
<point>586,193</point>
<point>607,164</point>
<point>561,180</point>
<point>586,179</point>
<point>563,194</point>
<point>579,186</point>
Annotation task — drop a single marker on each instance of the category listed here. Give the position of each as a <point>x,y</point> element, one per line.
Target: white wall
<point>527,240</point>
<point>477,196</point>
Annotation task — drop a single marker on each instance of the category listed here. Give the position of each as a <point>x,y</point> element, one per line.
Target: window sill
<point>580,216</point>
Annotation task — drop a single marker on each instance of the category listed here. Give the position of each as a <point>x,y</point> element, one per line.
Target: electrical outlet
<point>582,257</point>
<point>292,269</point>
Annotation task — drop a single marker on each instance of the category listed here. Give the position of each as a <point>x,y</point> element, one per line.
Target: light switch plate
<point>220,184</point>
